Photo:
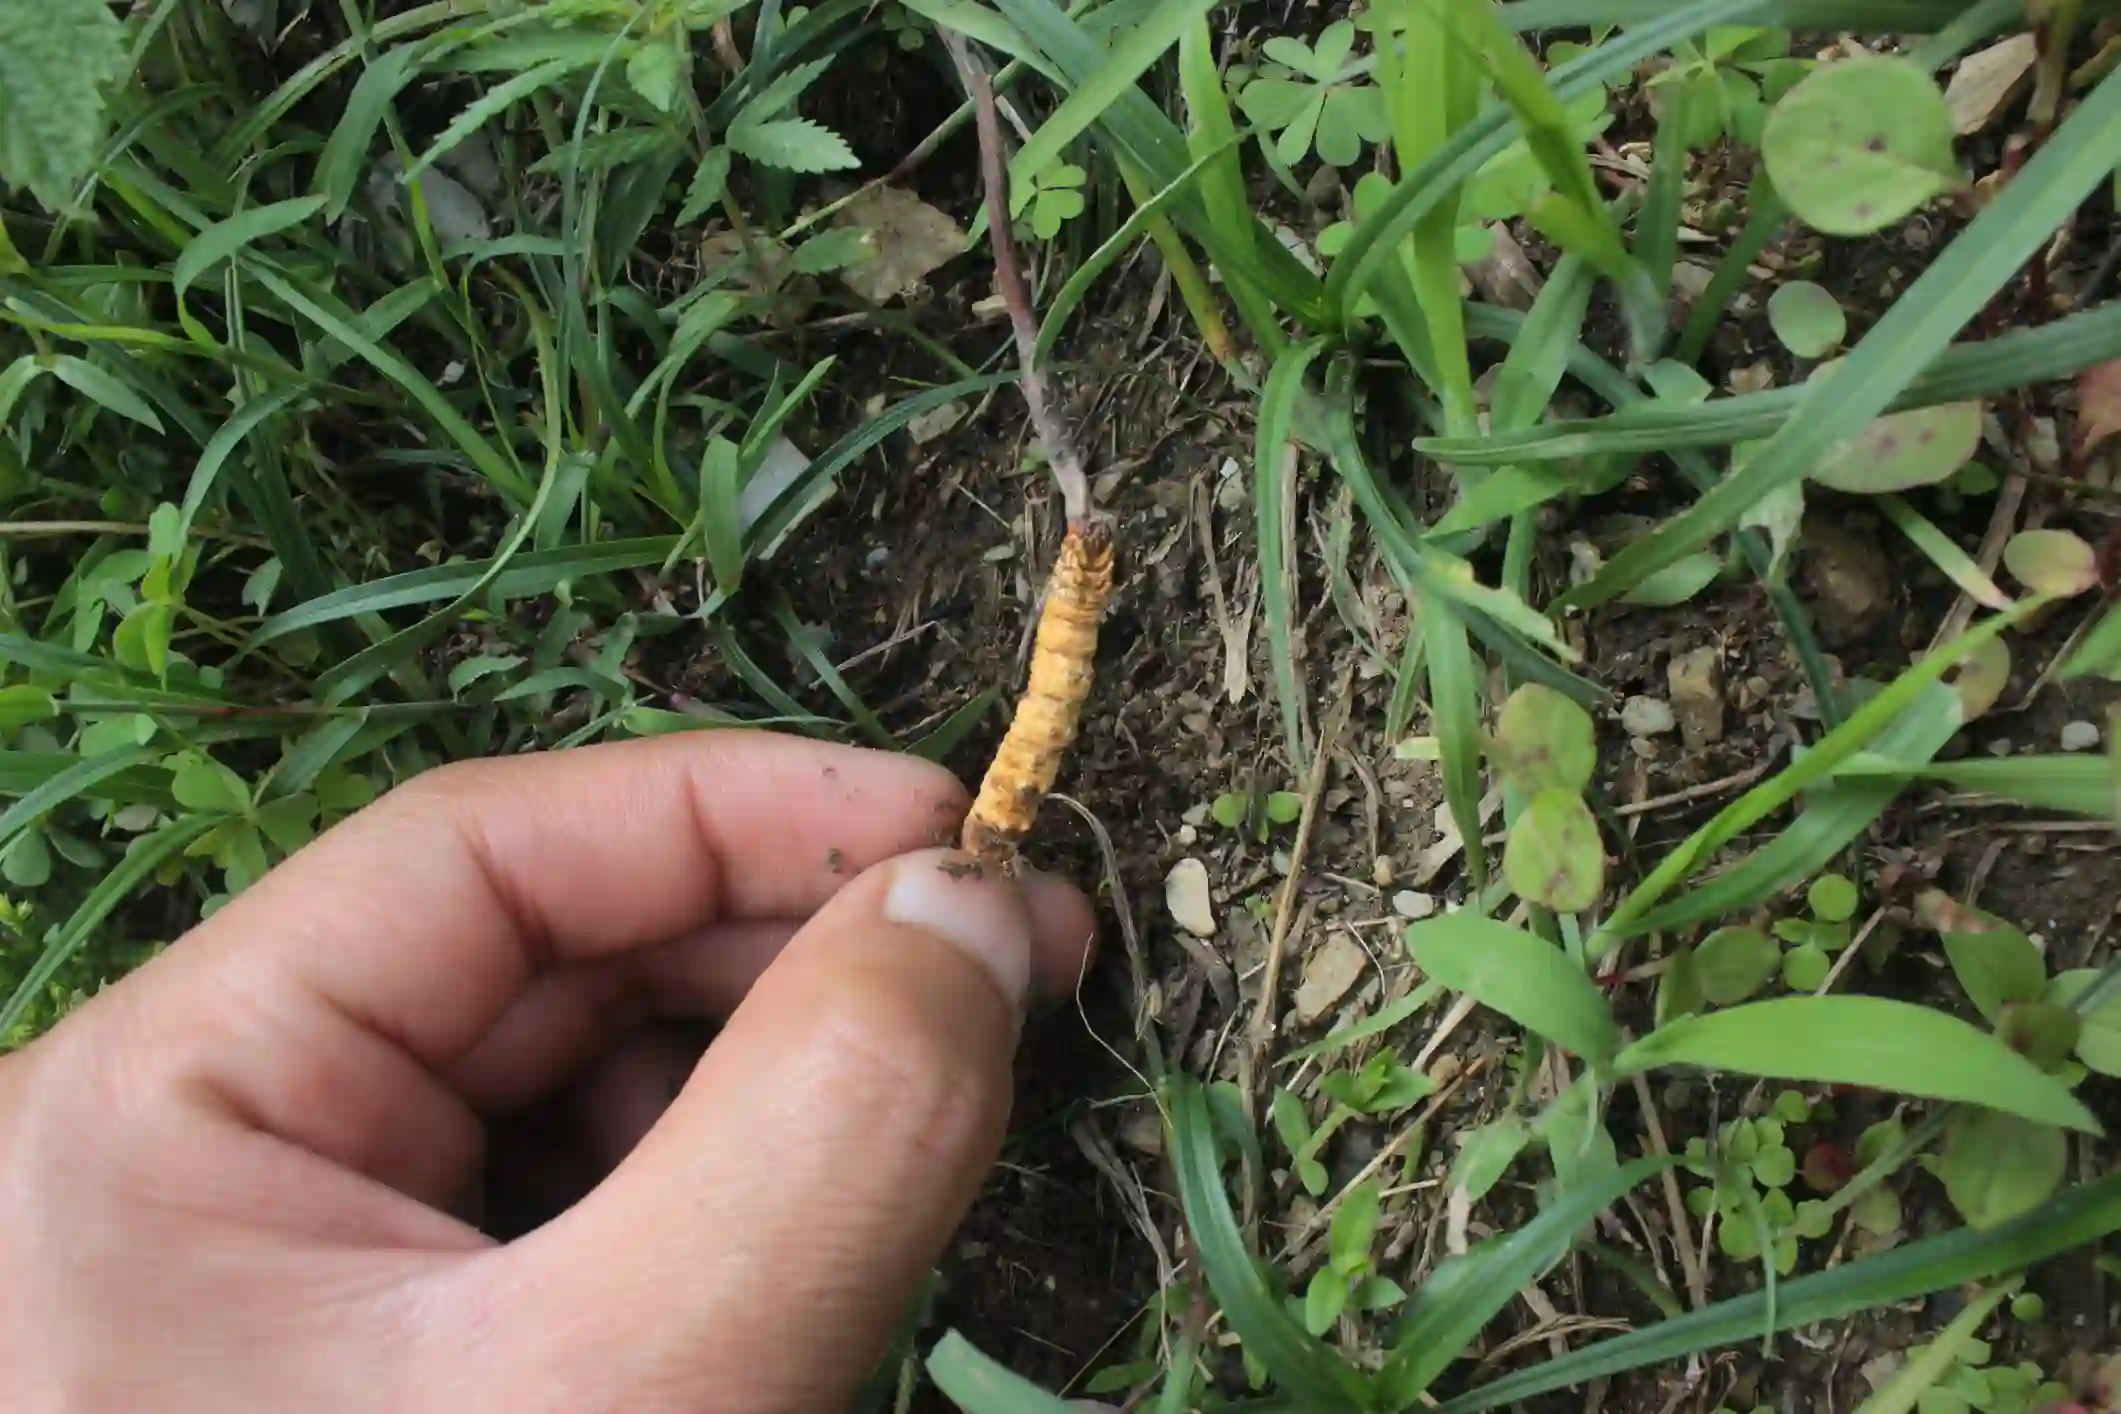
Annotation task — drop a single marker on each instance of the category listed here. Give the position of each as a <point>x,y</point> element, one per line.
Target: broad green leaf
<point>1806,318</point>
<point>55,58</point>
<point>1733,963</point>
<point>1543,741</point>
<point>24,703</point>
<point>346,152</point>
<point>202,783</point>
<point>978,1384</point>
<point>1522,976</point>
<point>1553,856</point>
<point>1354,1228</point>
<point>237,234</point>
<point>1485,1155</point>
<point>1676,582</point>
<point>1997,1167</point>
<point>1859,144</point>
<point>2052,562</point>
<point>1869,1041</point>
<point>793,145</point>
<point>2099,1043</point>
<point>1997,967</point>
<point>1904,450</point>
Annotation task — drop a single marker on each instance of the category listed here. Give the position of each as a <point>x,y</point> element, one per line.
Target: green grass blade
<point>1298,1362</point>
<point>345,159</point>
<point>1524,977</point>
<point>1465,1293</point>
<point>1818,763</point>
<point>22,772</point>
<point>2079,785</point>
<point>1149,38</point>
<point>142,858</point>
<point>537,572</point>
<point>1273,457</point>
<point>1213,134</point>
<point>237,234</point>
<point>1382,1021</point>
<point>978,1384</point>
<point>1944,552</point>
<point>75,781</point>
<point>1657,224</point>
<point>497,466</point>
<point>103,388</point>
<point>806,648</point>
<point>1646,426</point>
<point>1377,236</point>
<point>2082,154</point>
<point>1763,225</point>
<point>1454,706</point>
<point>1118,244</point>
<point>2081,1216</point>
<point>1832,818</point>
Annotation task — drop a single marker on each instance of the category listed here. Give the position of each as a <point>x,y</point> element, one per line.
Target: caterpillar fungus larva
<point>1051,712</point>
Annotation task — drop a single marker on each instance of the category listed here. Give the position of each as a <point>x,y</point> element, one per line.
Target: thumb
<point>761,1245</point>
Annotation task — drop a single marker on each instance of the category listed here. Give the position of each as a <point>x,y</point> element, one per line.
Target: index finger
<point>424,916</point>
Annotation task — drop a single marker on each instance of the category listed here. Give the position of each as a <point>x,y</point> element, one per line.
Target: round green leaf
<point>1554,857</point>
<point>1545,741</point>
<point>1996,1166</point>
<point>27,864</point>
<point>1733,963</point>
<point>1832,898</point>
<point>1804,968</point>
<point>1859,144</point>
<point>1904,450</point>
<point>1229,809</point>
<point>2051,562</point>
<point>1877,1212</point>
<point>1774,1168</point>
<point>1807,319</point>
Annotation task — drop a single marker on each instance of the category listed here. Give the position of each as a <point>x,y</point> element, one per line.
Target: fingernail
<point>968,907</point>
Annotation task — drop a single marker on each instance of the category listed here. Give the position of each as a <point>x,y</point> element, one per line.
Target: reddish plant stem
<point>1009,280</point>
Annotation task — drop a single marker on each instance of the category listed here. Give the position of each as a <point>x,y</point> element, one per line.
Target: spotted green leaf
<point>1554,857</point>
<point>1860,144</point>
<point>1806,318</point>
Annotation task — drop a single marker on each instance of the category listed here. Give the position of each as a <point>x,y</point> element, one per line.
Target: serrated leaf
<point>793,145</point>
<point>1554,857</point>
<point>1859,144</point>
<point>653,72</point>
<point>709,181</point>
<point>55,58</point>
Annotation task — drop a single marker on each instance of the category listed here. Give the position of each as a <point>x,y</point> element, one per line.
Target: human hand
<point>245,1177</point>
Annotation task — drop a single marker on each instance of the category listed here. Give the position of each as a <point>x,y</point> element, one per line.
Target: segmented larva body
<point>1051,711</point>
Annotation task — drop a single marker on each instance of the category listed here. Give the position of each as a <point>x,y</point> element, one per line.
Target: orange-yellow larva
<point>1051,711</point>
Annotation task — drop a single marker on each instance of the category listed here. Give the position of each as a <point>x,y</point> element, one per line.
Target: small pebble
<point>1384,871</point>
<point>1647,716</point>
<point>2001,746</point>
<point>1408,903</point>
<point>1187,835</point>
<point>1186,895</point>
<point>2080,736</point>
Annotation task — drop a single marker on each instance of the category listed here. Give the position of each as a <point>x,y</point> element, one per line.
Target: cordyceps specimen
<point>1050,714</point>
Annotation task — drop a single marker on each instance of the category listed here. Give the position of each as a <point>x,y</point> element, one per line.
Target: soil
<point>927,567</point>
